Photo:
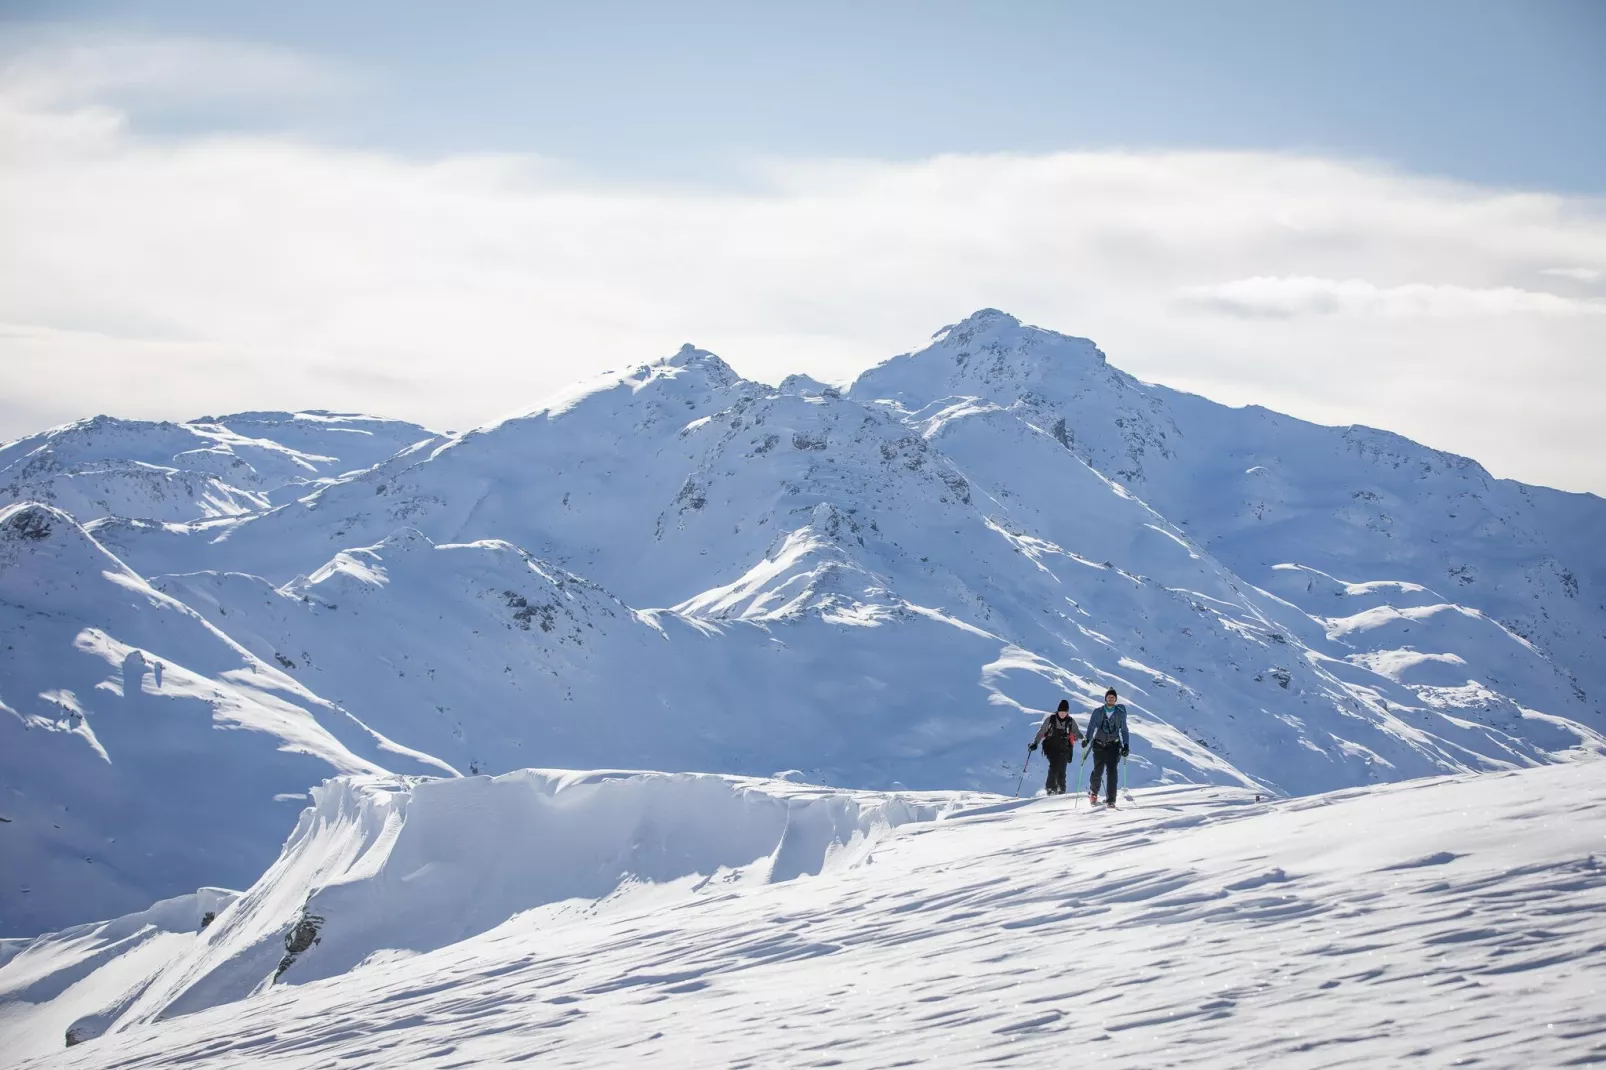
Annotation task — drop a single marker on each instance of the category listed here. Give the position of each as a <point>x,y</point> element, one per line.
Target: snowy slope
<point>1346,505</point>
<point>950,486</point>
<point>675,568</point>
<point>486,657</point>
<point>600,460</point>
<point>69,986</point>
<point>482,655</point>
<point>381,868</point>
<point>1443,922</point>
<point>142,749</point>
<point>206,468</point>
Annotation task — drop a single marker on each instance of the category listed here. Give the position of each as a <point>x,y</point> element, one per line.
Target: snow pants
<point>1106,763</point>
<point>1056,771</point>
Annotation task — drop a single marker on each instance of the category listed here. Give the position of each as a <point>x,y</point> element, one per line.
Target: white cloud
<point>175,276</point>
<point>1288,296</point>
<point>55,70</point>
<point>1582,274</point>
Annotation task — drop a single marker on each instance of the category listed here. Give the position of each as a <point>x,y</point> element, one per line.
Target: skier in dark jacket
<point>1058,735</point>
<point>1106,734</point>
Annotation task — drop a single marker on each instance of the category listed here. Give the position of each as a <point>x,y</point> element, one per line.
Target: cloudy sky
<point>1353,212</point>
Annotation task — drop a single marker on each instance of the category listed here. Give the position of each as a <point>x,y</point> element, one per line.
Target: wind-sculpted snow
<point>1435,923</point>
<point>68,986</point>
<point>382,868</point>
<point>886,585</point>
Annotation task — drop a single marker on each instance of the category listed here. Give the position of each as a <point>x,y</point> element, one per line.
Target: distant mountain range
<point>674,568</point>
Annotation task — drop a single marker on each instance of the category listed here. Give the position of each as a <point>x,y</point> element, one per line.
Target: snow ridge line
<point>383,865</point>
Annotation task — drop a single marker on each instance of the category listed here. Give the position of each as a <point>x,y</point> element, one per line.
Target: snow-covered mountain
<point>676,568</point>
<point>142,748</point>
<point>211,467</point>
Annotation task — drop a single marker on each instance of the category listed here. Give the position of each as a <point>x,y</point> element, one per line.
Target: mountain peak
<point>983,318</point>
<point>987,354</point>
<point>48,560</point>
<point>995,331</point>
<point>690,356</point>
<point>808,387</point>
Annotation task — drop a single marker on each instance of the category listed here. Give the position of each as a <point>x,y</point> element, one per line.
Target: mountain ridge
<point>674,567</point>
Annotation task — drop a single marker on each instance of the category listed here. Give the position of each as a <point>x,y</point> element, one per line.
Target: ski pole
<point>1079,765</point>
<point>1023,769</point>
<point>1126,784</point>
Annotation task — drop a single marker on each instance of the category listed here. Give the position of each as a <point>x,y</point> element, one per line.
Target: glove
<point>1032,745</point>
<point>1123,752</point>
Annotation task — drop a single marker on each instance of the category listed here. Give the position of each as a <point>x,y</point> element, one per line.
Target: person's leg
<point>1106,771</point>
<point>1098,765</point>
<point>1056,771</point>
<point>1113,759</point>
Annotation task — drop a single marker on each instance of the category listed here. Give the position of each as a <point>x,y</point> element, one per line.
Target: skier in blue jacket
<point>1106,734</point>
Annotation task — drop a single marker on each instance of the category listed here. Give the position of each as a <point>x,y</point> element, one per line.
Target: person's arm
<point>1042,730</point>
<point>1126,740</point>
<point>1092,726</point>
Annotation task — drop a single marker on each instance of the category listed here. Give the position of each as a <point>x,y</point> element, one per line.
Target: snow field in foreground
<point>384,867</point>
<point>1433,922</point>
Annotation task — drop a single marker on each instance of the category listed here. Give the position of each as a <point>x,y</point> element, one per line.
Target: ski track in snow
<point>1435,923</point>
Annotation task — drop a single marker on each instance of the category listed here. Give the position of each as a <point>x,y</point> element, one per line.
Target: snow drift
<point>380,868</point>
<point>67,987</point>
<point>1436,922</point>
